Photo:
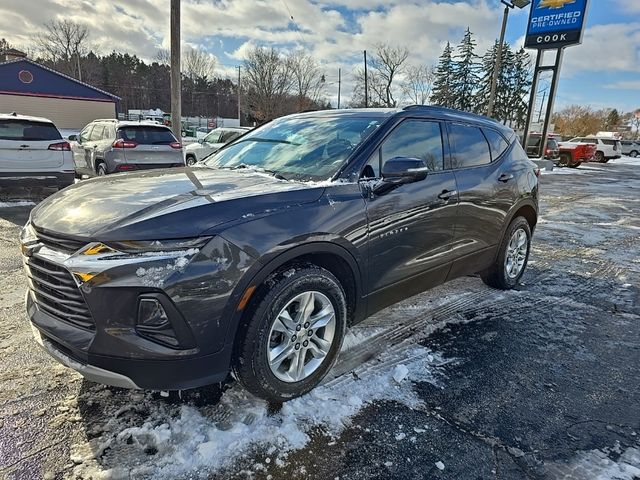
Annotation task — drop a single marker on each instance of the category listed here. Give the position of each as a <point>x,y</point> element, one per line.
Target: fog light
<point>153,322</point>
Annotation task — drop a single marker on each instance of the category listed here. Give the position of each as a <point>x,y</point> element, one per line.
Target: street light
<point>494,78</point>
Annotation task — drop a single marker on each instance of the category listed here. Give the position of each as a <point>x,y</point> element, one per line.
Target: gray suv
<point>111,146</point>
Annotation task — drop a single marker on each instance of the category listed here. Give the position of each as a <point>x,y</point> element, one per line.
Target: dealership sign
<point>556,23</point>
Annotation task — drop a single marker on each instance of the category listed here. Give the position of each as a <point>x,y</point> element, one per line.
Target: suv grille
<point>56,293</point>
<point>59,243</point>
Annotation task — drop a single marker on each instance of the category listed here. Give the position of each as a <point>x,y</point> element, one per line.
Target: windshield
<point>302,148</point>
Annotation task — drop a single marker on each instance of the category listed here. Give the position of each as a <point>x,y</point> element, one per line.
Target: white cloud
<point>624,85</point>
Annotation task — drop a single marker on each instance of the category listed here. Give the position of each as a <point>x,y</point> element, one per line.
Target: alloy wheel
<point>516,253</point>
<point>301,336</point>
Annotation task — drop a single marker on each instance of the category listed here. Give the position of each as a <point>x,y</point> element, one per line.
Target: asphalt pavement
<point>538,383</point>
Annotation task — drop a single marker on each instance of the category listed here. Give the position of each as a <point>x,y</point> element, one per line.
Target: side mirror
<point>72,138</point>
<point>404,170</point>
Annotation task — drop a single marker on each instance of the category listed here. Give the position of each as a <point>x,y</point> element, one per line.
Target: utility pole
<point>176,100</point>
<point>239,116</point>
<point>339,84</point>
<point>498,65</point>
<point>366,83</point>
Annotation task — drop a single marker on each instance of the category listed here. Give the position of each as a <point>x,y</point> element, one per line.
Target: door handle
<point>24,146</point>
<point>447,194</point>
<point>505,177</point>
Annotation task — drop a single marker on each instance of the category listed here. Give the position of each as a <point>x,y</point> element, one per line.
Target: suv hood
<point>165,204</point>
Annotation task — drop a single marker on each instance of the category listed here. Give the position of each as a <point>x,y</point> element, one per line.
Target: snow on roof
<point>11,116</point>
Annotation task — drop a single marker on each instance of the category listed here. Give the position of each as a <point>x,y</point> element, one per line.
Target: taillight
<point>547,152</point>
<point>125,168</point>
<point>175,145</point>
<point>121,143</point>
<point>537,171</point>
<point>60,146</point>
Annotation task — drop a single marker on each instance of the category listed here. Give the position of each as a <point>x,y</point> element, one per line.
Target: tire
<point>289,291</point>
<point>498,275</point>
<point>599,157</point>
<point>191,160</point>
<point>101,170</point>
<point>564,160</point>
<point>575,165</point>
<point>633,153</point>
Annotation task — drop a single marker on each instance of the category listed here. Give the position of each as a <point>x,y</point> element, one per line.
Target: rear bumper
<point>134,167</point>
<point>37,179</point>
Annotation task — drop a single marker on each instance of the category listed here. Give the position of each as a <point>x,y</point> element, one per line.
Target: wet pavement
<point>541,382</point>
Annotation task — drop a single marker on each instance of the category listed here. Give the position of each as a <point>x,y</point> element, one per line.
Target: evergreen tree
<point>442,93</point>
<point>613,119</point>
<point>519,87</point>
<point>466,74</point>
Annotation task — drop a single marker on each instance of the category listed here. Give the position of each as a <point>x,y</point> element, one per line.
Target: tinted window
<point>609,142</point>
<point>28,130</point>
<point>413,139</point>
<point>533,141</point>
<point>470,146</point>
<point>146,135</point>
<point>497,143</point>
<point>552,144</point>
<point>229,136</point>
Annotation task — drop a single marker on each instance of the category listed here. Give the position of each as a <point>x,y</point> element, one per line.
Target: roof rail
<point>105,120</point>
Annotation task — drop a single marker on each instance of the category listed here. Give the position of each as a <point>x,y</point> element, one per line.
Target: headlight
<point>28,234</point>
<point>146,246</point>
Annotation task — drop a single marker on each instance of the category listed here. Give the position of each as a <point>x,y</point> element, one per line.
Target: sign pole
<point>552,97</point>
<point>532,99</point>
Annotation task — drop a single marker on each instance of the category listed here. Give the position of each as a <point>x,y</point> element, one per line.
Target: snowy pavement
<point>460,382</point>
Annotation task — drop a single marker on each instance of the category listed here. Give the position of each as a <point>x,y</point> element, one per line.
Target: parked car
<point>606,148</point>
<point>212,142</point>
<point>574,154</point>
<point>33,153</point>
<point>111,146</point>
<point>551,151</point>
<point>630,148</point>
<point>255,262</point>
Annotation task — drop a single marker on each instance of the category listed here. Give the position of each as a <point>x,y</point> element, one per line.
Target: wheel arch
<point>330,256</point>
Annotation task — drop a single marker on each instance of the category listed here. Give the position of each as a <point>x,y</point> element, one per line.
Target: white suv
<point>33,153</point>
<point>212,142</point>
<point>606,148</point>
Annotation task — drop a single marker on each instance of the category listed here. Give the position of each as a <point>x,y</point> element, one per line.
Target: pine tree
<point>442,93</point>
<point>484,91</point>
<point>613,119</point>
<point>466,74</point>
<point>519,87</point>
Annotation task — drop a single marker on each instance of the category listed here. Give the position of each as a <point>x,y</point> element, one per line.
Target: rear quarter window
<point>497,143</point>
<point>609,142</point>
<point>147,135</point>
<point>28,130</point>
<point>470,146</point>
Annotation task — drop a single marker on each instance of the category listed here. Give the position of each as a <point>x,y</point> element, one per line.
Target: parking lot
<point>461,382</point>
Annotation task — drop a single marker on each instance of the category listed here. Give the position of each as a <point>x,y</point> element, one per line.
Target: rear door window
<point>497,143</point>
<point>27,130</point>
<point>470,147</point>
<point>146,135</point>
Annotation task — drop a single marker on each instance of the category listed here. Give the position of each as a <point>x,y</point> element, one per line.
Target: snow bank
<point>17,203</point>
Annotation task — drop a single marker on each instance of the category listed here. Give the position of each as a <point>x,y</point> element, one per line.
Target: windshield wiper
<point>267,140</point>
<point>256,169</point>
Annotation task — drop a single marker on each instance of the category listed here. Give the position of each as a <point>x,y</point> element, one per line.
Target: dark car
<point>258,260</point>
<point>551,151</point>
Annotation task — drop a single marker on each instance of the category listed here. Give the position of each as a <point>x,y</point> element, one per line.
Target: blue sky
<point>603,72</point>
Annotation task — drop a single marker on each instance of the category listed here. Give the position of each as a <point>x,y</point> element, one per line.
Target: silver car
<point>212,142</point>
<point>630,148</point>
<point>111,146</point>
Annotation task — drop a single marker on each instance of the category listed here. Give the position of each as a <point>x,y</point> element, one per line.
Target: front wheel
<point>102,170</point>
<point>575,165</point>
<point>191,160</point>
<point>600,157</point>
<point>513,256</point>
<point>293,335</point>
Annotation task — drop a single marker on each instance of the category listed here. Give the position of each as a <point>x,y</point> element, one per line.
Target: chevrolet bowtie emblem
<point>554,3</point>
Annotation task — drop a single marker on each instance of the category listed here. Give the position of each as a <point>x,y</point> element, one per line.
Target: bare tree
<point>163,56</point>
<point>267,82</point>
<point>308,79</point>
<point>387,63</point>
<point>418,83</point>
<point>63,43</point>
<point>198,64</point>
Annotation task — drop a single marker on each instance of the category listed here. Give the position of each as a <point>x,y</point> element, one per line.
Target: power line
<point>293,20</point>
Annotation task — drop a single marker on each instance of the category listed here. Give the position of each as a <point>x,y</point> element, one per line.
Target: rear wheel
<point>191,160</point>
<point>633,153</point>
<point>513,256</point>
<point>575,165</point>
<point>564,160</point>
<point>101,170</point>
<point>293,335</point>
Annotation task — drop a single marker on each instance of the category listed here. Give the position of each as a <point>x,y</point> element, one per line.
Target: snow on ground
<point>598,465</point>
<point>175,441</point>
<point>17,203</point>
